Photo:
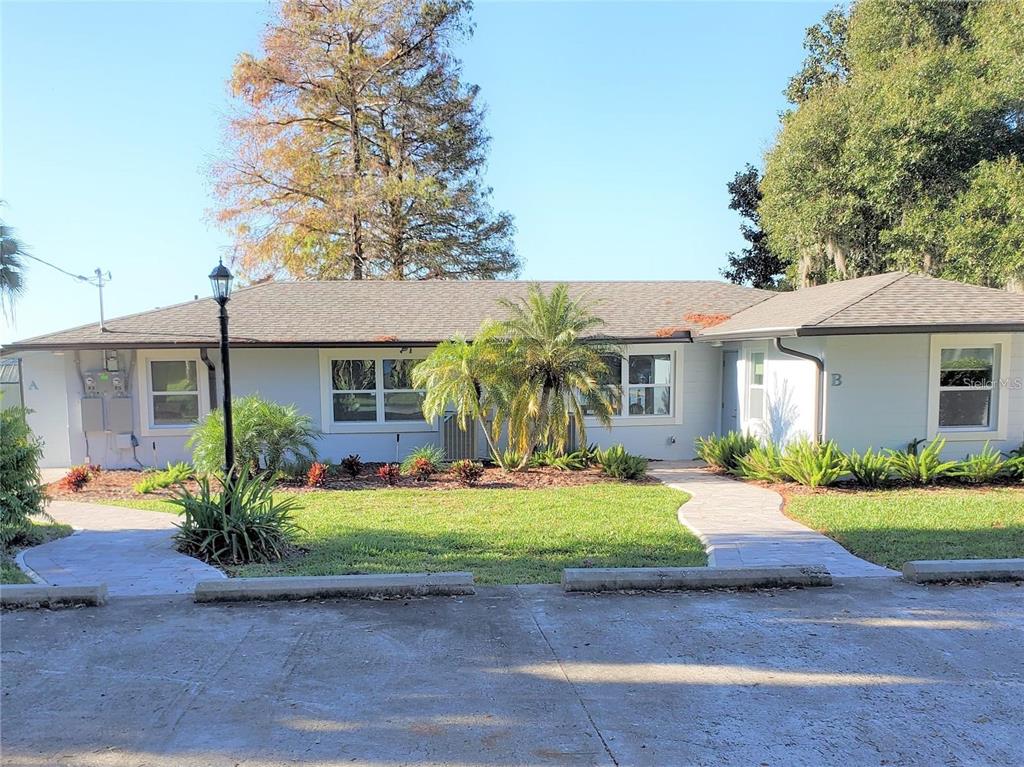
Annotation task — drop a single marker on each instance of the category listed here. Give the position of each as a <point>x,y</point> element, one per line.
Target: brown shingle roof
<point>394,313</point>
<point>884,303</point>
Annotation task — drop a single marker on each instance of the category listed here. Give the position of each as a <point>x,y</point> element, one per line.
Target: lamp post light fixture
<point>220,282</point>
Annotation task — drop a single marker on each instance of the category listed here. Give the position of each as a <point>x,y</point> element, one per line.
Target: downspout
<point>211,374</point>
<point>819,386</point>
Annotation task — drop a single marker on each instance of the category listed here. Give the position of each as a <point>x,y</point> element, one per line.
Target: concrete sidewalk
<point>132,551</point>
<point>742,525</point>
<point>867,673</point>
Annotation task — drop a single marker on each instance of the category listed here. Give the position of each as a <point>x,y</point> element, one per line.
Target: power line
<point>54,266</point>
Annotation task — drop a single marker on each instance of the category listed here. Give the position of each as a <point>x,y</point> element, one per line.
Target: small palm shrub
<point>812,464</point>
<point>21,489</point>
<point>508,460</point>
<point>466,472</point>
<point>268,437</point>
<point>921,467</point>
<point>617,463</point>
<point>422,457</point>
<point>869,468</point>
<point>76,478</point>
<point>174,474</point>
<point>763,463</point>
<point>390,473</point>
<point>352,465</point>
<point>981,468</point>
<point>317,474</point>
<point>723,451</point>
<point>239,523</point>
<point>556,459</point>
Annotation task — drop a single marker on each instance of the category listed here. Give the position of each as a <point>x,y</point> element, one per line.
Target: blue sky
<point>615,127</point>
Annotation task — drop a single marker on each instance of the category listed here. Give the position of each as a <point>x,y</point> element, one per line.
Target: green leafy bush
<point>239,523</point>
<point>556,459</point>
<point>723,451</point>
<point>922,467</point>
<point>466,472</point>
<point>763,463</point>
<point>617,463</point>
<point>1015,463</point>
<point>21,489</point>
<point>509,459</point>
<point>423,458</point>
<point>268,436</point>
<point>869,468</point>
<point>981,468</point>
<point>174,474</point>
<point>811,463</point>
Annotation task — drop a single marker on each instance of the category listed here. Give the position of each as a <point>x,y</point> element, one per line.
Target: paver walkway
<point>130,550</point>
<point>742,525</point>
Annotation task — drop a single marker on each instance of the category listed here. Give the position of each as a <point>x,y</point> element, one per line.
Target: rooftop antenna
<point>99,279</point>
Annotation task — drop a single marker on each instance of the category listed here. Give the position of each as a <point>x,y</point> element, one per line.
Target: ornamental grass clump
<point>723,451</point>
<point>239,522</point>
<point>986,466</point>
<point>424,460</point>
<point>813,464</point>
<point>617,463</point>
<point>924,467</point>
<point>869,468</point>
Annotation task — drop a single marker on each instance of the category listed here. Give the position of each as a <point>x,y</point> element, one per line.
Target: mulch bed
<point>119,483</point>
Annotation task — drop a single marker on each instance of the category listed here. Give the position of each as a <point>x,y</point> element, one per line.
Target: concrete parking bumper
<point>944,570</point>
<point>653,578</point>
<point>333,586</point>
<point>36,595</point>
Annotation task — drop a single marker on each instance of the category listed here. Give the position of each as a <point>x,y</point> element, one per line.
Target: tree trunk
<point>358,257</point>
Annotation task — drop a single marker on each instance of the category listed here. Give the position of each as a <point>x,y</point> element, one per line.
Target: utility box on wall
<point>92,414</point>
<point>119,415</point>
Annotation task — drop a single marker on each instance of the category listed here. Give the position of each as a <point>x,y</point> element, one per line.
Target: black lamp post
<point>220,281</point>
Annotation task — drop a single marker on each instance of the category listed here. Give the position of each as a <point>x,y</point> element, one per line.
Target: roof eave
<point>759,334</point>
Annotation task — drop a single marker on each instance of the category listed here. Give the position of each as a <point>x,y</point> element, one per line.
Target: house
<point>876,361</point>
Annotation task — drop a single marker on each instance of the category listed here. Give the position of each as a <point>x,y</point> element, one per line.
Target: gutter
<point>819,386</point>
<point>211,375</point>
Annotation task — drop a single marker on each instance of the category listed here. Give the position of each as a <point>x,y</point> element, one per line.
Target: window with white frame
<point>966,376</point>
<point>174,392</point>
<point>755,386</point>
<point>650,384</point>
<point>375,390</point>
<point>610,383</point>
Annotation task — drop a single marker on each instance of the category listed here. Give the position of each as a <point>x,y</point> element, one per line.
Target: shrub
<point>508,459</point>
<point>1015,463</point>
<point>983,467</point>
<point>724,451</point>
<point>420,469</point>
<point>869,468</point>
<point>241,522</point>
<point>317,474</point>
<point>21,489</point>
<point>812,464</point>
<point>921,467</point>
<point>466,472</point>
<point>352,465</point>
<point>763,463</point>
<point>390,473</point>
<point>76,478</point>
<point>421,457</point>
<point>267,436</point>
<point>555,459</point>
<point>617,463</point>
<point>174,474</point>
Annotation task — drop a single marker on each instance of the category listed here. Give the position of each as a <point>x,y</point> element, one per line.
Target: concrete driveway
<point>872,673</point>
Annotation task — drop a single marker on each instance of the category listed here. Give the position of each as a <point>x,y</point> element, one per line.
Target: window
<point>354,390</point>
<point>401,401</point>
<point>611,383</point>
<point>375,390</point>
<point>174,389</point>
<point>755,386</point>
<point>650,384</point>
<point>965,387</point>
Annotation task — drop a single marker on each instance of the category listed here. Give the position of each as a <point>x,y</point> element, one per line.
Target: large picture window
<point>965,387</point>
<point>174,389</point>
<point>375,390</point>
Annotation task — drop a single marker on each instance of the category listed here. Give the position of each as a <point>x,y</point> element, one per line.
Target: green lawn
<point>502,536</point>
<point>40,532</point>
<point>891,527</point>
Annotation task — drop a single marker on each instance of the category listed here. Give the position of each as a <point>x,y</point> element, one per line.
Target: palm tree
<point>12,268</point>
<point>560,362</point>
